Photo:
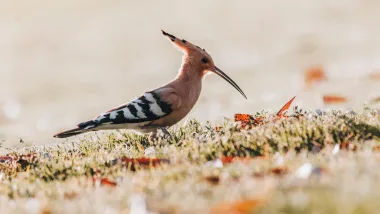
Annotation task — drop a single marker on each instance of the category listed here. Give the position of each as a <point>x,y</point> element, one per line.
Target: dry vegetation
<point>308,162</point>
<point>304,162</point>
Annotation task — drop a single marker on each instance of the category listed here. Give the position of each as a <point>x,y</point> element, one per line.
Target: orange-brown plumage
<point>164,106</point>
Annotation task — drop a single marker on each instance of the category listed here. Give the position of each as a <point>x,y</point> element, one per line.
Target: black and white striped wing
<point>148,107</point>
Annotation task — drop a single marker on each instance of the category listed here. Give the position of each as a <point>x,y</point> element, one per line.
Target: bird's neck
<point>189,81</point>
<point>190,71</point>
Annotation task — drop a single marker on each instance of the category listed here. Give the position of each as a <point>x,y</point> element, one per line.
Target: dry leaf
<point>314,75</point>
<point>227,160</point>
<point>376,148</point>
<point>104,182</point>
<point>279,170</point>
<point>259,174</point>
<point>375,100</point>
<point>238,207</point>
<point>374,75</point>
<point>285,107</point>
<point>258,120</point>
<point>244,119</point>
<point>6,159</point>
<point>333,99</point>
<point>248,120</point>
<point>218,128</point>
<point>231,159</point>
<point>348,146</point>
<point>70,195</point>
<point>212,179</point>
<point>246,205</point>
<point>22,160</point>
<point>134,163</point>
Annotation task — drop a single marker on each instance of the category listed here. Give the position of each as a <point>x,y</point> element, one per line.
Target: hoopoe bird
<point>162,107</point>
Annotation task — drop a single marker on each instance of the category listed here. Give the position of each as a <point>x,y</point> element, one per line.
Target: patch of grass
<point>191,174</point>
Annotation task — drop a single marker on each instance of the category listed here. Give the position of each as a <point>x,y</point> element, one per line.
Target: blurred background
<point>62,62</point>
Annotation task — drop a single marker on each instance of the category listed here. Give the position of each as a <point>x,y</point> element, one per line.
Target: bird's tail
<point>71,132</point>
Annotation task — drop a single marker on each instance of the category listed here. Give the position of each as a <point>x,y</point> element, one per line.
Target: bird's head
<point>201,59</point>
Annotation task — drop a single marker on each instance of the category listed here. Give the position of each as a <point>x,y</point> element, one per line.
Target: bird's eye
<point>204,60</point>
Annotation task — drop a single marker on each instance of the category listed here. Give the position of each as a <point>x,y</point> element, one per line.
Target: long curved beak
<point>228,79</point>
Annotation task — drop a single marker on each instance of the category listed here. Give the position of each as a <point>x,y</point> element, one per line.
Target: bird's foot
<point>165,132</point>
<point>159,133</point>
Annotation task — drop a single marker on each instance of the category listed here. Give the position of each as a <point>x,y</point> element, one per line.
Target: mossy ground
<point>314,163</point>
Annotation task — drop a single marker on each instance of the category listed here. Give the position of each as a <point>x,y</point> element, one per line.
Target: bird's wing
<point>148,107</point>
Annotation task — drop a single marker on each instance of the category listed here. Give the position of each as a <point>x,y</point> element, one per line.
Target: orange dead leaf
<point>245,119</point>
<point>218,128</point>
<point>258,174</point>
<point>246,205</point>
<point>68,195</point>
<point>248,120</point>
<point>213,179</point>
<point>227,160</point>
<point>142,162</point>
<point>348,146</point>
<point>238,207</point>
<point>231,159</point>
<point>104,182</point>
<point>374,75</point>
<point>6,159</point>
<point>333,99</point>
<point>285,107</point>
<point>314,75</point>
<point>279,170</point>
<point>375,100</point>
<point>22,160</point>
<point>376,148</point>
<point>259,120</point>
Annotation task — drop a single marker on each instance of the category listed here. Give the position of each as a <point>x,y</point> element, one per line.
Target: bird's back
<point>134,114</point>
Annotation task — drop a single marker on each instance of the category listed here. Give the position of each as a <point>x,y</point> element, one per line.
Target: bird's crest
<point>201,58</point>
<point>182,44</point>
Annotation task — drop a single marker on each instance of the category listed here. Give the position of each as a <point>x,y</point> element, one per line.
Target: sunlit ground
<point>315,163</point>
<point>65,62</point>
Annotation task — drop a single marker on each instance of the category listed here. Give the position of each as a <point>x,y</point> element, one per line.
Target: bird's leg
<point>165,132</point>
<point>155,135</point>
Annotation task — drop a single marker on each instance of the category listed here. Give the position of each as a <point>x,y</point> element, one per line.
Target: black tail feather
<point>71,132</point>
